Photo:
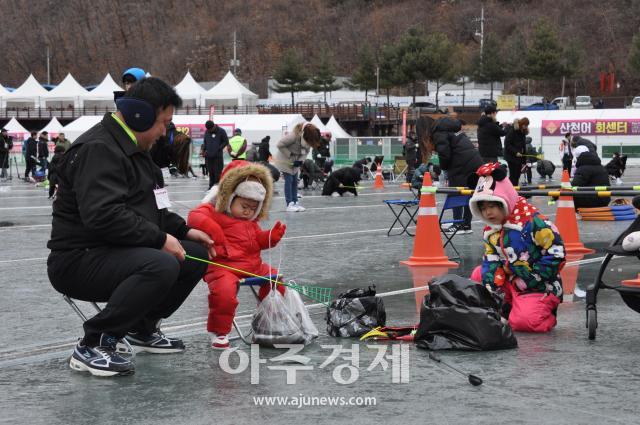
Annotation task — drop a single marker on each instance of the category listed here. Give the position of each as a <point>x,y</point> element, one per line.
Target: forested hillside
<point>91,37</point>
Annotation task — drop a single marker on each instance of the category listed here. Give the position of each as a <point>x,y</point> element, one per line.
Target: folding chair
<point>451,202</point>
<point>250,282</point>
<point>399,208</point>
<point>128,348</point>
<point>400,168</point>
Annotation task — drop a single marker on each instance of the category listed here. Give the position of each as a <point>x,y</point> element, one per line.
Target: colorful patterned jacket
<point>529,253</point>
<point>526,249</point>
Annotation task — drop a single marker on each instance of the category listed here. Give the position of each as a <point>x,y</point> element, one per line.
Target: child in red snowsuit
<point>230,215</point>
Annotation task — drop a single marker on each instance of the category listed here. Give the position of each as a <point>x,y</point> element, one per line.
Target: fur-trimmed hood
<point>220,195</point>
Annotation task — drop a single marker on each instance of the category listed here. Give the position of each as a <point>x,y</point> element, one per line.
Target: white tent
<point>53,127</point>
<point>337,132</point>
<point>581,122</point>
<point>190,91</point>
<point>102,96</point>
<point>229,92</point>
<point>68,93</point>
<point>254,126</point>
<point>75,128</point>
<point>15,129</point>
<point>318,123</point>
<point>30,94</point>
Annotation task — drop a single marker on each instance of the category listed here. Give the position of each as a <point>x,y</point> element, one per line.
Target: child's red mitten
<point>277,232</point>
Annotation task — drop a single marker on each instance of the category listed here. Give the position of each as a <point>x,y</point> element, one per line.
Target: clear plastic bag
<point>298,310</point>
<point>273,323</point>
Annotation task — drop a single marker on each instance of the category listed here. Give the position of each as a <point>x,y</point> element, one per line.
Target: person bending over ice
<point>341,181</point>
<point>523,252</point>
<point>229,214</point>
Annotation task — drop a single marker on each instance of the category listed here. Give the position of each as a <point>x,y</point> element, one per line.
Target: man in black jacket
<point>113,239</point>
<point>263,150</point>
<point>489,134</point>
<point>43,150</point>
<point>590,172</point>
<point>460,159</point>
<point>514,148</point>
<point>30,153</point>
<point>581,141</point>
<point>6,144</point>
<point>215,140</point>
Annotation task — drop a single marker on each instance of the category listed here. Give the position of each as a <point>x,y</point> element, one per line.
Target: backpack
<point>355,313</point>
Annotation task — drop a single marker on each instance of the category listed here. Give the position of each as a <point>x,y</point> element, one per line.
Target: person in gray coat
<point>291,151</point>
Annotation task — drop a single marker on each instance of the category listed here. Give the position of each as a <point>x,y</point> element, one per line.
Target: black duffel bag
<point>355,313</point>
<point>459,314</point>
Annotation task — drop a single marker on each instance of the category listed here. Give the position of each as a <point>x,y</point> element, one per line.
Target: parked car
<point>428,108</point>
<point>635,103</point>
<point>562,102</point>
<point>487,102</point>
<point>541,107</point>
<point>583,102</point>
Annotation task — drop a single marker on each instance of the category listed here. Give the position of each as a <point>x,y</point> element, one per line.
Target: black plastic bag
<point>355,313</point>
<point>459,314</point>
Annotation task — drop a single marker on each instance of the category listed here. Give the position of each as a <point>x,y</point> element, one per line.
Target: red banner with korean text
<point>598,127</point>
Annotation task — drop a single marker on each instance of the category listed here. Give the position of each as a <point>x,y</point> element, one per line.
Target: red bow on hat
<point>488,168</point>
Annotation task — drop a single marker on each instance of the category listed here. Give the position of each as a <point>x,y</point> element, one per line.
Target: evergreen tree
<point>324,79</point>
<point>515,56</point>
<point>411,66</point>
<point>462,66</point>
<point>438,54</point>
<point>388,70</point>
<point>544,56</point>
<point>290,75</point>
<point>364,78</point>
<point>491,66</point>
<point>633,60</point>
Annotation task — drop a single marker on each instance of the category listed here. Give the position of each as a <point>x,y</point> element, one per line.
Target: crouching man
<point>113,239</point>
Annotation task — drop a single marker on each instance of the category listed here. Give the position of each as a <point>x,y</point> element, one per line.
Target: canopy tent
<point>102,96</point>
<point>190,91</point>
<point>320,126</point>
<point>30,94</point>
<point>337,132</point>
<point>15,129</point>
<point>547,128</point>
<point>75,128</point>
<point>229,92</point>
<point>254,126</point>
<point>53,127</point>
<point>69,93</point>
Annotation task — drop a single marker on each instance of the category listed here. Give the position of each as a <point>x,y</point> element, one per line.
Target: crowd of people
<point>114,240</point>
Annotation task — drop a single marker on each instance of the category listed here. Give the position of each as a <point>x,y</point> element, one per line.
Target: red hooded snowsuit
<point>238,244</point>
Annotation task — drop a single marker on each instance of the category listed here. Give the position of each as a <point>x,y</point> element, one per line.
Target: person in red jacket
<point>229,214</point>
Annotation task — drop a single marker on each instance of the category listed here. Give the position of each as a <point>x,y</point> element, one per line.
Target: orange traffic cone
<point>567,223</point>
<point>427,247</point>
<point>569,274</point>
<point>378,183</point>
<point>421,278</point>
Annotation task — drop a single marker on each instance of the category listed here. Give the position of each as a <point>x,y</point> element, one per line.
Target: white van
<point>583,102</point>
<point>562,102</point>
